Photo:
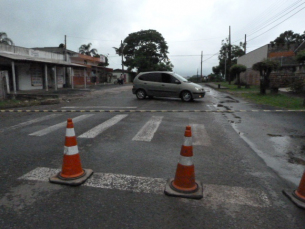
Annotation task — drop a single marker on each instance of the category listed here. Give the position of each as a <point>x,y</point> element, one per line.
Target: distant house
<point>94,72</point>
<point>30,69</point>
<point>285,55</point>
<point>128,76</point>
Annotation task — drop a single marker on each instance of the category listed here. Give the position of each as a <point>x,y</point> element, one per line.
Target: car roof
<point>156,72</point>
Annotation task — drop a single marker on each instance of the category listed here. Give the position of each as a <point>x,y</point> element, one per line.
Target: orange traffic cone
<point>298,196</point>
<point>184,184</point>
<point>72,172</point>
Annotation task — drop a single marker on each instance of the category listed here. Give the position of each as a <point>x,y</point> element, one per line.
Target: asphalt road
<point>243,159</point>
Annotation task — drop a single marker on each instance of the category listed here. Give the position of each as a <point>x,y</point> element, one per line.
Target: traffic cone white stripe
<point>188,141</point>
<point>71,150</point>
<point>185,161</point>
<point>70,132</point>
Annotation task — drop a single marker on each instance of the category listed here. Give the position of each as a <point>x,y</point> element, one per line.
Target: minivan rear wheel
<point>141,94</point>
<point>186,96</point>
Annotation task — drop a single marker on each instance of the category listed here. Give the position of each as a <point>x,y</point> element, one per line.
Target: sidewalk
<point>215,86</point>
<point>52,96</point>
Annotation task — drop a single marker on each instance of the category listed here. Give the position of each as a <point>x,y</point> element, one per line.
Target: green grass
<point>252,94</point>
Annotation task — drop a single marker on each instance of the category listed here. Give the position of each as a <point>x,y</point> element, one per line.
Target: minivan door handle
<point>163,85</point>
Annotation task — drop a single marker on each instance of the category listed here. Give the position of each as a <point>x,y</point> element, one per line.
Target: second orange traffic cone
<point>184,183</point>
<point>72,172</point>
<point>298,196</point>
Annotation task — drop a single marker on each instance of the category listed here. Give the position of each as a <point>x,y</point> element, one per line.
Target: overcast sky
<point>188,26</point>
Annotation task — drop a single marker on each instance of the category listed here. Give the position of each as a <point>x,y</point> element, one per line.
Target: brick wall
<point>277,79</point>
<point>284,79</point>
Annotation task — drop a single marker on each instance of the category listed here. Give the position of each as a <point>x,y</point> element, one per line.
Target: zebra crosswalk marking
<point>200,135</point>
<point>59,125</point>
<point>146,133</point>
<point>27,123</point>
<point>102,127</point>
<point>148,130</point>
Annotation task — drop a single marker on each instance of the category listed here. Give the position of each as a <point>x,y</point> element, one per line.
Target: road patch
<point>213,195</point>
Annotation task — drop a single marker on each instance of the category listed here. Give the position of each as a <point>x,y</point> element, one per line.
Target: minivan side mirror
<point>177,82</point>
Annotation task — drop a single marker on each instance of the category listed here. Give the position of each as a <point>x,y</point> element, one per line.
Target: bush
<point>297,86</point>
<point>215,78</point>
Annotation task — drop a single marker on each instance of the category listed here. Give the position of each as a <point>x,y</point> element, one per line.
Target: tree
<point>86,50</point>
<point>216,70</point>
<point>236,51</point>
<point>5,40</point>
<point>120,49</point>
<point>236,69</point>
<point>288,37</point>
<point>300,57</point>
<point>145,50</point>
<point>103,64</point>
<point>265,68</point>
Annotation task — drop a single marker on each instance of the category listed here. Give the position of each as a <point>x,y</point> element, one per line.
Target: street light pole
<point>225,63</point>
<point>201,67</point>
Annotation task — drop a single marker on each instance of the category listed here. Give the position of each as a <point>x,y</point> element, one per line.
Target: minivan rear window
<point>153,77</point>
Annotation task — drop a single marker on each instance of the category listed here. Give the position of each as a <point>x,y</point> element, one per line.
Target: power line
<point>263,21</point>
<point>92,39</point>
<point>258,18</point>
<point>198,39</point>
<point>276,19</point>
<point>276,25</point>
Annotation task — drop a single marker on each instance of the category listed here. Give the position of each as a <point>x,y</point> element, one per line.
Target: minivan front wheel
<point>186,96</point>
<point>141,94</point>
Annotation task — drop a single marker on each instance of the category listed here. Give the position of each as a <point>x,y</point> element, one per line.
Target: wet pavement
<point>277,137</point>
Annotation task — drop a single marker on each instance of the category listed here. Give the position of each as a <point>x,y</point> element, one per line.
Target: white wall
<point>60,76</point>
<point>117,75</point>
<point>254,56</point>
<point>25,80</point>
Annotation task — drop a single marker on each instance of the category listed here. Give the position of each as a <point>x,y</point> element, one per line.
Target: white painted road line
<point>213,195</point>
<point>59,125</point>
<point>29,122</point>
<point>99,107</point>
<point>200,135</point>
<point>148,130</point>
<point>102,127</point>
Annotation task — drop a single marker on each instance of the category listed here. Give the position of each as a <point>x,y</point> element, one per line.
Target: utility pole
<point>229,61</point>
<point>122,57</point>
<point>201,68</point>
<point>245,45</point>
<point>65,48</point>
<point>225,63</point>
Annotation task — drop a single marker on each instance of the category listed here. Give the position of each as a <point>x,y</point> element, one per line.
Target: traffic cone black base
<point>170,191</point>
<point>294,198</point>
<point>57,179</point>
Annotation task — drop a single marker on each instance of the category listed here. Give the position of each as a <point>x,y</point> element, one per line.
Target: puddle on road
<point>290,147</point>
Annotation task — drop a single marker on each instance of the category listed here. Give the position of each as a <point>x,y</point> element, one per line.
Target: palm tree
<point>120,50</point>
<point>5,40</point>
<point>85,49</point>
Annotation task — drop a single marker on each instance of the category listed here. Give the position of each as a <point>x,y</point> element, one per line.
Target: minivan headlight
<point>197,88</point>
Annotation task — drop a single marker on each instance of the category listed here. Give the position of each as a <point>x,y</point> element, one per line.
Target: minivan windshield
<point>180,78</point>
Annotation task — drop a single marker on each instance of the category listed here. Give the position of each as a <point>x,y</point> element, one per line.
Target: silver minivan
<point>165,84</point>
